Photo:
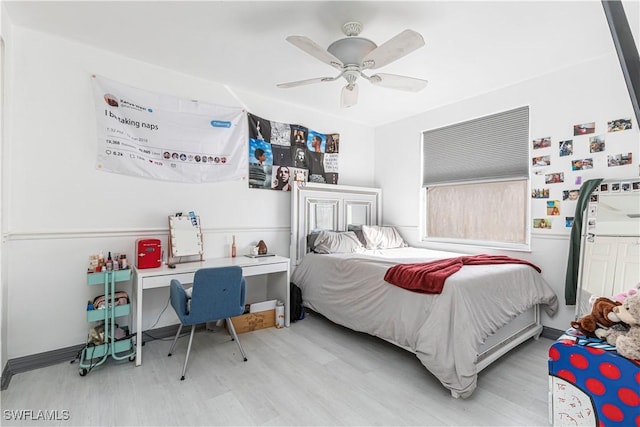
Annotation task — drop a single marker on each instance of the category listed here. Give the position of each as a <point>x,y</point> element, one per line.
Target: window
<point>476,180</point>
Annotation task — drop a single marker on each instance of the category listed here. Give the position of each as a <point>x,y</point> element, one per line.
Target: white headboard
<point>330,207</point>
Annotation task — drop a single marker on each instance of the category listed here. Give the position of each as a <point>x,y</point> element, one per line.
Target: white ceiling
<point>472,47</point>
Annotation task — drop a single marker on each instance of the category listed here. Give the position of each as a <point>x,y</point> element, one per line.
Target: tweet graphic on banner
<point>163,137</point>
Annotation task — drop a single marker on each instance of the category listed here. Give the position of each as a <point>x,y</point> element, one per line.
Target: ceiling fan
<point>352,55</point>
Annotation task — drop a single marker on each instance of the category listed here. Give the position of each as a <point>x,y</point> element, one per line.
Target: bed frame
<point>330,207</point>
<point>334,207</point>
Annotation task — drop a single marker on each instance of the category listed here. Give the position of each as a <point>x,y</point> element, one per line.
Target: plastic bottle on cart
<point>109,263</point>
<point>100,261</point>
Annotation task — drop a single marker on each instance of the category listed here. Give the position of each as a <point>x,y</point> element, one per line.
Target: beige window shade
<point>478,212</point>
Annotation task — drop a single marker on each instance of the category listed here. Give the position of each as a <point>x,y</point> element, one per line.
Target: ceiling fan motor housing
<point>352,28</point>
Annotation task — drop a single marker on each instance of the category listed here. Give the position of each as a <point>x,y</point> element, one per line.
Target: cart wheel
<point>132,358</point>
<point>83,372</point>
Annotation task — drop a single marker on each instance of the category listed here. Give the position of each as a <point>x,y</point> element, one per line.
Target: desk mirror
<point>185,239</point>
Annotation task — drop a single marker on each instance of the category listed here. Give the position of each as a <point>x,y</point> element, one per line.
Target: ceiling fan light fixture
<point>351,50</point>
<point>349,95</point>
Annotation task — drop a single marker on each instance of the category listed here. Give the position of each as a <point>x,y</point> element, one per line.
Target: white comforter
<point>445,330</point>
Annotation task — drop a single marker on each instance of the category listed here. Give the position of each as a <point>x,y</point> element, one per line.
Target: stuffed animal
<point>624,295</point>
<point>627,342</point>
<point>598,318</point>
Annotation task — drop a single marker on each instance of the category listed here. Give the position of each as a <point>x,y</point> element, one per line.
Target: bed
<point>481,313</point>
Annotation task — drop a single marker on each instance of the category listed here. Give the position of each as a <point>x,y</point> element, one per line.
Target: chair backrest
<point>218,293</point>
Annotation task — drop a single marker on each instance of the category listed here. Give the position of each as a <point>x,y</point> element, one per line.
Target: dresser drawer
<point>165,280</point>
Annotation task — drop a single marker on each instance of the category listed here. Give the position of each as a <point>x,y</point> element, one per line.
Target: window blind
<point>490,147</point>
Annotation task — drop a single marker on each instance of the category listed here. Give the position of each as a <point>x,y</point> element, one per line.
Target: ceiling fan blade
<point>393,49</point>
<point>349,96</point>
<point>315,50</point>
<point>305,82</point>
<point>394,81</point>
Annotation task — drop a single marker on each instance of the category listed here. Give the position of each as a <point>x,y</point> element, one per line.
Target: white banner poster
<point>159,136</point>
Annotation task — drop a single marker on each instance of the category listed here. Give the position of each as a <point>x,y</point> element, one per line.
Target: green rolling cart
<point>95,355</point>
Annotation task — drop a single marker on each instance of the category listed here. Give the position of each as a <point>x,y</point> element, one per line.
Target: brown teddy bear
<point>598,318</point>
<point>627,342</point>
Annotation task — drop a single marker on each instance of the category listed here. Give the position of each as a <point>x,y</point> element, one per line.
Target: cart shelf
<point>116,275</point>
<point>106,313</point>
<point>103,350</point>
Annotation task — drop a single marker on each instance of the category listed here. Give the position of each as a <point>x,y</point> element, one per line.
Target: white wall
<point>59,209</point>
<point>591,91</point>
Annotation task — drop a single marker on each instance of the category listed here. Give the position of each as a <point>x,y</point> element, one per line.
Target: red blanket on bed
<point>429,277</point>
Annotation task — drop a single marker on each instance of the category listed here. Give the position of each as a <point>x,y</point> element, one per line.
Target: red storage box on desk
<point>590,384</point>
<point>148,253</point>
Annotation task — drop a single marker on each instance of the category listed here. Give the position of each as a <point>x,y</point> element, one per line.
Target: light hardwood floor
<point>314,373</point>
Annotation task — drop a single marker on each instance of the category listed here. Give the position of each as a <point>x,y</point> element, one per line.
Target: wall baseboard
<point>5,377</point>
<point>69,354</point>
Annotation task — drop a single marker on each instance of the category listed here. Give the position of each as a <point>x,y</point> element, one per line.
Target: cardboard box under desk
<point>254,321</point>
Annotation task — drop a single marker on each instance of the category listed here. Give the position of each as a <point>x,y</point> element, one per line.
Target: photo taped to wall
<point>541,161</point>
<point>553,207</point>
<point>542,142</point>
<point>596,144</point>
<point>571,194</point>
<point>540,193</point>
<point>584,128</point>
<point>620,160</point>
<point>566,147</point>
<point>580,164</point>
<point>553,178</point>
<point>541,223</point>
<point>618,125</point>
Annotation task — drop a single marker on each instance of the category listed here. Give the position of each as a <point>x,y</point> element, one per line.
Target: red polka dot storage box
<point>590,384</point>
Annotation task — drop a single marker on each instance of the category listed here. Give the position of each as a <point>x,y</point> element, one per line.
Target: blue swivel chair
<point>217,293</point>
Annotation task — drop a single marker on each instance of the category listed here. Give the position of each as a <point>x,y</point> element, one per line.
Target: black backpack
<point>297,311</point>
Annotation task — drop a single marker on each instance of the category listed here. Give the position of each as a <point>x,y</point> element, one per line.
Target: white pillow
<point>332,242</point>
<point>378,237</point>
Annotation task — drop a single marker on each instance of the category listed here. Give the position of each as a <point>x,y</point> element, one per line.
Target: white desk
<point>276,267</point>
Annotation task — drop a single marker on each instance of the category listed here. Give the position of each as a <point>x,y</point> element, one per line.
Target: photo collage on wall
<point>585,151</point>
<point>281,154</point>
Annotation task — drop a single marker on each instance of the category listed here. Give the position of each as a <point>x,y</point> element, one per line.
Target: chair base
<point>232,331</point>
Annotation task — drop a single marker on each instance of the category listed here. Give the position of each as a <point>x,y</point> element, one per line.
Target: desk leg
<point>138,322</point>
<point>287,303</point>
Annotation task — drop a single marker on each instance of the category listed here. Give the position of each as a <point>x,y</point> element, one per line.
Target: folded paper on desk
<point>262,306</point>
